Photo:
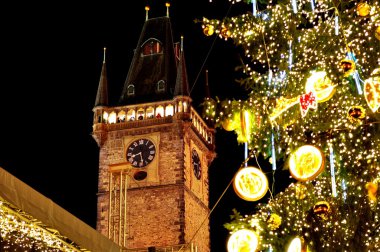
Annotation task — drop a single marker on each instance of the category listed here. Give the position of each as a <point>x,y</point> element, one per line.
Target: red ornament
<point>307,101</point>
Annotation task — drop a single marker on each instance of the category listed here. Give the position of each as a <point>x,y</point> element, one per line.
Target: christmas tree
<point>311,69</point>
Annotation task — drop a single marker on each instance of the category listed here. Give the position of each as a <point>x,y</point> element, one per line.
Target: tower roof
<point>182,83</point>
<point>152,74</point>
<point>102,94</point>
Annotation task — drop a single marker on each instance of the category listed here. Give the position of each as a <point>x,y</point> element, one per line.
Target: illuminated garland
<point>18,230</point>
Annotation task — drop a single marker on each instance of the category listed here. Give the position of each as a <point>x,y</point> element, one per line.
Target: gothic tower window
<point>131,90</point>
<point>151,47</point>
<point>161,86</point>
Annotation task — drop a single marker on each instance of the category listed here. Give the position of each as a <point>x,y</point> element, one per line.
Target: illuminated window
<point>150,112</point>
<point>121,116</point>
<point>161,86</point>
<point>131,90</point>
<point>112,117</point>
<point>159,111</point>
<point>105,116</point>
<point>140,114</point>
<point>151,47</point>
<point>131,115</point>
<point>169,110</point>
<point>180,106</point>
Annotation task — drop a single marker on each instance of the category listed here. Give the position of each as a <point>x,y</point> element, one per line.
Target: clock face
<point>141,152</point>
<point>196,164</point>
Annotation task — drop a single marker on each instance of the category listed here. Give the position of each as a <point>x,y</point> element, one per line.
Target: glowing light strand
<point>294,5</point>
<point>332,171</point>
<point>254,8</point>
<point>273,153</point>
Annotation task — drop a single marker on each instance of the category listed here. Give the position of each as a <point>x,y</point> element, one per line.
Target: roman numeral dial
<point>141,152</point>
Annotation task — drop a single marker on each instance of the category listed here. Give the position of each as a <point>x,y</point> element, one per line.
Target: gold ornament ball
<point>348,67</point>
<point>377,33</point>
<point>208,30</point>
<point>321,209</point>
<point>356,114</point>
<point>363,9</point>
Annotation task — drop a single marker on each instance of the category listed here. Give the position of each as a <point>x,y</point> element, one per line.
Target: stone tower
<point>155,150</point>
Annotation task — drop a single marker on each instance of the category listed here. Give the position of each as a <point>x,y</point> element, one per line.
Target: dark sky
<point>52,56</point>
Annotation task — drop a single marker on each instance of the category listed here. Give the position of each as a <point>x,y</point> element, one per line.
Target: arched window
<point>159,111</point>
<point>150,112</point>
<point>161,86</point>
<point>131,115</point>
<point>121,116</point>
<point>131,90</point>
<point>150,47</point>
<point>169,110</point>
<point>112,117</point>
<point>140,114</point>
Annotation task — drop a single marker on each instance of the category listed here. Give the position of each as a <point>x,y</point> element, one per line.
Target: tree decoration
<point>250,183</point>
<point>296,59</point>
<point>320,84</point>
<point>224,32</point>
<point>348,67</point>
<point>363,9</point>
<point>356,114</point>
<point>300,191</point>
<point>274,221</point>
<point>321,209</point>
<point>372,190</point>
<point>243,240</point>
<point>372,93</point>
<point>297,244</point>
<point>208,29</point>
<point>306,163</point>
<point>377,33</point>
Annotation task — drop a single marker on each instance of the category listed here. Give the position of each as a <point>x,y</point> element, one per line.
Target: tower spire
<point>102,94</point>
<point>167,4</point>
<point>182,83</point>
<point>147,12</point>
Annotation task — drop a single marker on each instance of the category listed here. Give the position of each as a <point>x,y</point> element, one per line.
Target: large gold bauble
<point>321,85</point>
<point>363,9</point>
<point>321,209</point>
<point>243,240</point>
<point>306,163</point>
<point>250,184</point>
<point>372,92</point>
<point>297,245</point>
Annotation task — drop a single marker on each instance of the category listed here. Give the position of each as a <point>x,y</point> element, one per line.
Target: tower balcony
<point>151,114</point>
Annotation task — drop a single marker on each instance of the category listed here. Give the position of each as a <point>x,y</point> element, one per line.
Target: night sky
<point>52,57</point>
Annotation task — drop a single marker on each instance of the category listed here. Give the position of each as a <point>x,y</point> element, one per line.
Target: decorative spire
<point>147,12</point>
<point>102,95</point>
<point>167,4</point>
<point>182,83</point>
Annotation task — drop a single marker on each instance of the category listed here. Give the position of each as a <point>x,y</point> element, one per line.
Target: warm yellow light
<point>372,93</point>
<point>306,163</point>
<point>321,85</point>
<point>243,240</point>
<point>296,245</point>
<point>250,184</point>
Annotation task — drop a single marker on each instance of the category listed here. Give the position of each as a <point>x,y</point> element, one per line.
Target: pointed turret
<point>182,83</point>
<point>102,95</point>
<point>152,74</point>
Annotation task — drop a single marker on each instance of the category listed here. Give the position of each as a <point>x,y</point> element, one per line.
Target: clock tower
<point>155,150</point>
